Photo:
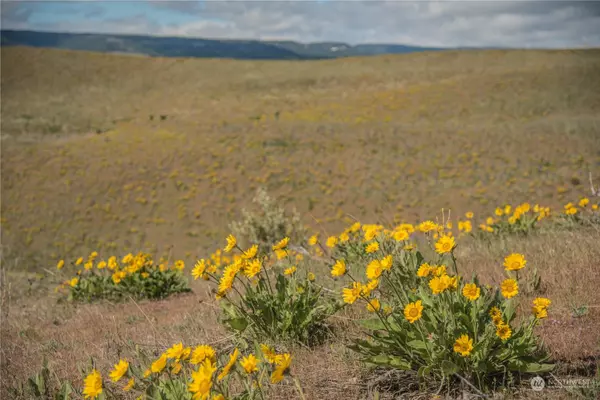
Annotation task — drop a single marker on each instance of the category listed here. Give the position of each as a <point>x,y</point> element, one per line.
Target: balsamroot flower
<point>119,370</point>
<point>509,288</point>
<point>92,385</point>
<point>413,311</point>
<point>514,262</point>
<point>471,291</point>
<point>339,268</point>
<point>463,345</point>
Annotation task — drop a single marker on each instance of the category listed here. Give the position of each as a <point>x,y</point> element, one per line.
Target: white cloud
<point>547,24</point>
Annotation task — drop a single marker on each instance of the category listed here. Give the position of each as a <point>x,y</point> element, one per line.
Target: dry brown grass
<point>383,139</point>
<point>37,326</point>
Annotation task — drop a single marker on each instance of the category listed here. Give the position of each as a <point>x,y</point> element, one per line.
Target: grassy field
<point>121,153</point>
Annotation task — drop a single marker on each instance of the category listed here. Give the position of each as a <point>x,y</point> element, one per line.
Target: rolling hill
<point>199,48</point>
<point>103,150</point>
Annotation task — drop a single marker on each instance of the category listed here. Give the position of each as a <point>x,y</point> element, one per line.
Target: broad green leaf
<point>449,368</point>
<point>391,361</point>
<point>239,324</point>
<point>530,367</point>
<point>418,344</point>
<point>373,324</point>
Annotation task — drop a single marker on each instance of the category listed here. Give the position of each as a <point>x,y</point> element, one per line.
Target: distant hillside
<point>202,48</point>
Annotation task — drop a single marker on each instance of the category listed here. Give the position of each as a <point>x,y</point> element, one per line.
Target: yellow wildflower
<point>471,291</point>
<point>127,258</point>
<point>202,352</point>
<point>463,345</point>
<point>344,237</point>
<point>509,288</point>
<point>437,285</point>
<point>252,268</point>
<point>281,254</point>
<point>179,265</point>
<point>290,270</point>
<point>355,227</point>
<point>540,307</point>
<point>445,244</point>
<point>232,359</point>
<point>372,247</point>
<point>130,384</point>
<point>119,370</point>
<point>400,235</point>
<point>331,241</point>
<point>282,244</point>
<point>387,262</point>
<point>571,211</point>
<point>439,271</point>
<point>413,311</point>
<point>177,352</point>
<point>424,270</point>
<point>249,364</point>
<point>503,331</point>
<point>282,365</point>
<point>514,262</point>
<point>373,305</point>
<point>338,269</point>
<point>199,269</point>
<point>231,242</point>
<point>269,353</point>
<point>374,269</point>
<point>350,295</point>
<point>202,381</point>
<point>427,226</point>
<point>92,385</point>
<point>158,365</point>
<point>118,276</point>
<point>176,367</point>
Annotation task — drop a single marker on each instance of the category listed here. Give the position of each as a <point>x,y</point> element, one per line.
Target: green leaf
<point>65,391</point>
<point>522,366</point>
<point>239,324</point>
<point>372,324</point>
<point>449,368</point>
<point>510,310</point>
<point>418,344</point>
<point>424,371</point>
<point>390,361</point>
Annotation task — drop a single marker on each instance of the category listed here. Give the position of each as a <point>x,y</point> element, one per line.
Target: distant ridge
<point>159,46</point>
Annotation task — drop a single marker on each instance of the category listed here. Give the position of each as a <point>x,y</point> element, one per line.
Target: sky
<point>519,24</point>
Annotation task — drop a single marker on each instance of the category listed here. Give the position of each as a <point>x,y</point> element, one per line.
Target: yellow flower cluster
<point>441,284</point>
<point>201,364</point>
<point>141,264</point>
<point>571,209</point>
